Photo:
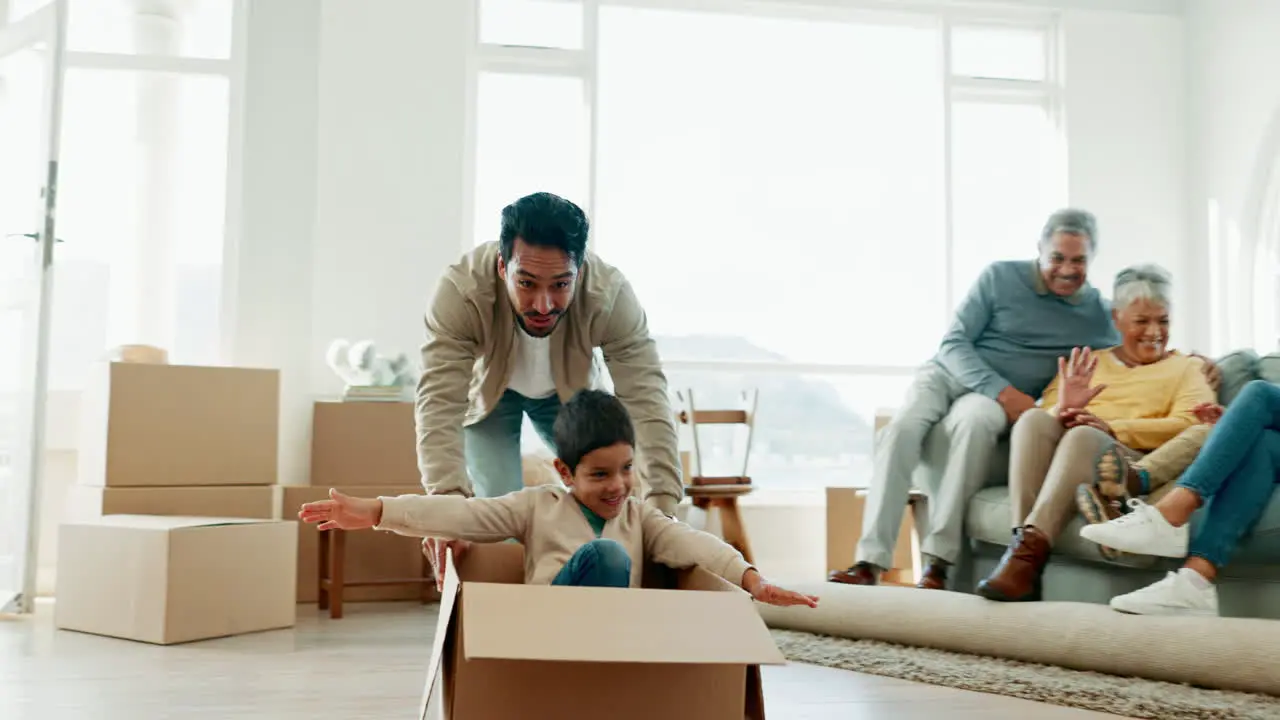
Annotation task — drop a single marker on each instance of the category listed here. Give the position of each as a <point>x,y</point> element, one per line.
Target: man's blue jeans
<point>599,563</point>
<point>1236,471</point>
<point>492,445</point>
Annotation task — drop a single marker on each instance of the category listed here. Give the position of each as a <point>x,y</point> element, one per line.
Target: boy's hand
<point>342,512</point>
<point>762,591</point>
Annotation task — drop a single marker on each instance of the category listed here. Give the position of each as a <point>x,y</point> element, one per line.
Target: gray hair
<point>1072,222</point>
<point>1142,282</point>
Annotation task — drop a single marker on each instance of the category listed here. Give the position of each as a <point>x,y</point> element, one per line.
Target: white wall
<point>393,82</point>
<point>1233,53</point>
<point>272,253</point>
<point>1126,106</point>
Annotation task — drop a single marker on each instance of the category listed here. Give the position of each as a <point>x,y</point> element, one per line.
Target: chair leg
<point>339,552</point>
<point>322,576</point>
<point>735,532</point>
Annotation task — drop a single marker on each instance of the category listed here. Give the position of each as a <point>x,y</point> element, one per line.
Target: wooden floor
<point>370,664</point>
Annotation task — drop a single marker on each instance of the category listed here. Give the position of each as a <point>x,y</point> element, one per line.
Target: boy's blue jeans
<point>492,446</point>
<point>599,563</point>
<point>1236,471</point>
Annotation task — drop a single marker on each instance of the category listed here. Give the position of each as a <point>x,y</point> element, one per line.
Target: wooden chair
<point>333,561</point>
<point>719,493</point>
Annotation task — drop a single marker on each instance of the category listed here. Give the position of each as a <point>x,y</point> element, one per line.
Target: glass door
<point>31,68</point>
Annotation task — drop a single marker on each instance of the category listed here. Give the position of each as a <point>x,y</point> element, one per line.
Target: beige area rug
<point>1130,697</point>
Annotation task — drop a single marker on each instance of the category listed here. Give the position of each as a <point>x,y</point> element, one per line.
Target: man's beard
<point>555,316</point>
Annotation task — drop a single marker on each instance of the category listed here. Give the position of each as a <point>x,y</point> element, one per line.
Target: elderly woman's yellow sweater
<point>1147,405</point>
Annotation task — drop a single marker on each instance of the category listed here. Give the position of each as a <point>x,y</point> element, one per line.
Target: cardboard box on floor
<point>169,580</point>
<point>239,501</point>
<point>845,507</point>
<point>689,645</point>
<point>370,555</point>
<point>148,425</point>
<point>363,443</point>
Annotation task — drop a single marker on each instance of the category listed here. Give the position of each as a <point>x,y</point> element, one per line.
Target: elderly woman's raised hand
<point>1076,372</point>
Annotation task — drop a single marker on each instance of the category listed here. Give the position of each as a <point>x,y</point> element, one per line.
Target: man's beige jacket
<point>470,348</point>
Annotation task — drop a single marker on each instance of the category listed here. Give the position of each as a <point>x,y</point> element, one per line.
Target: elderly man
<point>1000,353</point>
<point>512,331</point>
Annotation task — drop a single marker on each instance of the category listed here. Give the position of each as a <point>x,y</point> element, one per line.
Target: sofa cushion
<point>1269,368</point>
<point>988,520</point>
<point>1238,369</point>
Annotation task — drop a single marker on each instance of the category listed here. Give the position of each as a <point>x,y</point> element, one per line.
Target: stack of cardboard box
<point>177,440</point>
<point>367,449</point>
<point>170,531</point>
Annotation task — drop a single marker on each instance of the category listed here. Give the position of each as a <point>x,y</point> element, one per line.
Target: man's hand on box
<point>434,549</point>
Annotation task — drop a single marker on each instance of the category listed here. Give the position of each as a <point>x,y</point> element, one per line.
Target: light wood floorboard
<point>371,664</point>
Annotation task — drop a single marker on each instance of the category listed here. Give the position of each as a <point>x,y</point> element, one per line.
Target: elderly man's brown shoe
<point>1017,577</point>
<point>934,577</point>
<point>860,574</point>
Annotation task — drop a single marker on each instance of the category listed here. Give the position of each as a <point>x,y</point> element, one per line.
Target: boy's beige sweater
<point>550,524</point>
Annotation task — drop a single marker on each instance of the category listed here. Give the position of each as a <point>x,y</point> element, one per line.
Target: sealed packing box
<point>240,501</point>
<point>370,555</point>
<point>688,645</point>
<point>845,507</point>
<point>145,425</point>
<point>363,443</point>
<point>170,580</point>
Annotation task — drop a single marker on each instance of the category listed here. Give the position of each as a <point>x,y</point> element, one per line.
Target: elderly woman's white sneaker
<point>1177,594</point>
<point>1142,532</point>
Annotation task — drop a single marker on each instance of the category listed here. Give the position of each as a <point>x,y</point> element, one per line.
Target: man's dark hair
<point>545,220</point>
<point>591,420</point>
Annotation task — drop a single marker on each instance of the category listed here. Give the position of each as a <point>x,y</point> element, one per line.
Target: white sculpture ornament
<point>369,375</point>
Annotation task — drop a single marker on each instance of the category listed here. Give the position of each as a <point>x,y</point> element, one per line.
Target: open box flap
<point>578,624</point>
<point>448,599</point>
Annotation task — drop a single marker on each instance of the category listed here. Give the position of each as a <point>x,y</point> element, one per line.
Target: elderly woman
<point>1143,398</point>
<point>1238,470</point>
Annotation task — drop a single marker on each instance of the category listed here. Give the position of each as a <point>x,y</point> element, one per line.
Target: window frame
<point>519,59</point>
<point>234,69</point>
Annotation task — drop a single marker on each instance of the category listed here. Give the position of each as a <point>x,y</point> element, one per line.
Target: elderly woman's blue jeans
<point>1236,471</point>
<point>599,563</point>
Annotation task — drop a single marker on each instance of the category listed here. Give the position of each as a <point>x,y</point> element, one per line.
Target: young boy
<point>590,533</point>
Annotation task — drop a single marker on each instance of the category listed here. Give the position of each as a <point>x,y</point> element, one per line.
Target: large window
<point>799,196</point>
<point>747,194</point>
<point>531,132</point>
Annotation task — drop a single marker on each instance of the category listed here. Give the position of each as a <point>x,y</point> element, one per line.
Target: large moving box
<point>363,443</point>
<point>154,425</point>
<point>175,579</point>
<point>692,649</point>
<point>370,555</point>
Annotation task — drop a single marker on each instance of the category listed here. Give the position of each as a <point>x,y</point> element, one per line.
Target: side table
<point>844,527</point>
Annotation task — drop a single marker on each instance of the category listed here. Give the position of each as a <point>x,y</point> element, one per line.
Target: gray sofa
<point>1249,587</point>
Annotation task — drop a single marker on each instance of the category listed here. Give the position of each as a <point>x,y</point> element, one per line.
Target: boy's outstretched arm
<point>678,545</point>
<point>447,516</point>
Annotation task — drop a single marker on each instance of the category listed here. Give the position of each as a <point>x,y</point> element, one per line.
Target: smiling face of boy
<point>602,481</point>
